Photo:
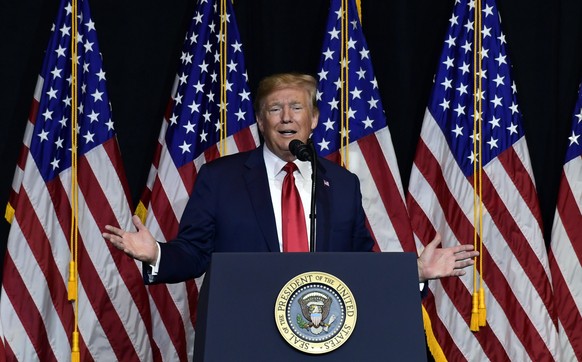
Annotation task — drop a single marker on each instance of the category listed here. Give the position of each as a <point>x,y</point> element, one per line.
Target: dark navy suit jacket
<point>230,210</point>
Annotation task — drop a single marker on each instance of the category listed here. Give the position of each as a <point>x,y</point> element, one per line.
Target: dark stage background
<point>141,40</point>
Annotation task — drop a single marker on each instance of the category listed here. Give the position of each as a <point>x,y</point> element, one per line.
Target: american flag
<point>566,245</point>
<point>113,313</point>
<point>518,295</point>
<point>192,134</point>
<point>363,143</point>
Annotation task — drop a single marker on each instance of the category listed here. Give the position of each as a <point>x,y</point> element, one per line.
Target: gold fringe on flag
<point>72,290</point>
<point>431,341</point>
<point>142,212</point>
<point>223,77</point>
<point>9,213</point>
<point>74,210</point>
<point>478,311</point>
<point>474,326</point>
<point>482,308</point>
<point>344,77</point>
<point>73,271</point>
<point>344,99</point>
<point>75,353</point>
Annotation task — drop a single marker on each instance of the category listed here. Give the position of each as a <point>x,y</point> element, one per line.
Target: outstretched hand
<point>140,245</point>
<point>436,262</point>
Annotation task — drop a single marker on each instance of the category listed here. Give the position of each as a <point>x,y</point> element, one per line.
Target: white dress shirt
<point>275,175</point>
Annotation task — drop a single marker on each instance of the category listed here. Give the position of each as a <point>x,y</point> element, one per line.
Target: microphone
<point>306,152</point>
<point>300,150</point>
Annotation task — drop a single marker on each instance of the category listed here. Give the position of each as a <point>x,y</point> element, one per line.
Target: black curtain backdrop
<point>141,40</point>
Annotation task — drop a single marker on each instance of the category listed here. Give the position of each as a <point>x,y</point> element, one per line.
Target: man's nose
<point>286,114</point>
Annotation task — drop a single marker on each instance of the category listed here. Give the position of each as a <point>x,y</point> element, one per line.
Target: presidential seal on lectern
<point>315,312</point>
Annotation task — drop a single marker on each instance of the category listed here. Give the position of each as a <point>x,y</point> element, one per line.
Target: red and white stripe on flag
<point>164,200</point>
<point>373,160</point>
<point>516,273</point>
<point>194,131</point>
<point>113,314</point>
<point>566,245</point>
<point>370,153</point>
<point>453,155</point>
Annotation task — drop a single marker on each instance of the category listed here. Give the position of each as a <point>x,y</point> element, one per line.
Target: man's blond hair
<point>284,80</point>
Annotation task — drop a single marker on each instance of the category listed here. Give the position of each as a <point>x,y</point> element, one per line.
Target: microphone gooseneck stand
<point>306,152</point>
<point>312,214</point>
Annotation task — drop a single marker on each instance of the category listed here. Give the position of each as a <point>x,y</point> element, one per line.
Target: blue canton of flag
<point>451,102</point>
<point>575,143</point>
<point>194,124</point>
<point>51,144</point>
<point>365,113</point>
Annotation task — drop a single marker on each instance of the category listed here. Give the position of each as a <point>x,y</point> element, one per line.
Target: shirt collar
<point>274,164</point>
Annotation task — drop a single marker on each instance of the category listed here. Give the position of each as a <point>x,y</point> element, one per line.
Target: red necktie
<point>293,217</point>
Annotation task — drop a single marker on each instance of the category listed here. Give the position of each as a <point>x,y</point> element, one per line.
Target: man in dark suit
<point>236,202</point>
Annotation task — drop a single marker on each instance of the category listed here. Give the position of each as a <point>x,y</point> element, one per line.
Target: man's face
<point>286,115</point>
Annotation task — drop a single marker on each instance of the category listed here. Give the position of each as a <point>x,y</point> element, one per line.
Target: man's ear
<point>259,123</point>
<point>314,120</point>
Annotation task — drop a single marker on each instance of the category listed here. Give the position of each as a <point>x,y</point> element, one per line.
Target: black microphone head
<point>300,150</point>
<point>294,145</point>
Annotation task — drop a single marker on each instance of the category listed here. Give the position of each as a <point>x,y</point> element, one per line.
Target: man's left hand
<point>434,263</point>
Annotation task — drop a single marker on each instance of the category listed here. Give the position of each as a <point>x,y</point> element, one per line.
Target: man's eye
<point>297,107</point>
<point>274,109</point>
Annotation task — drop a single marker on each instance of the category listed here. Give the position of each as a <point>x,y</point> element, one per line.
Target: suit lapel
<point>257,184</point>
<point>258,188</point>
<point>323,210</point>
